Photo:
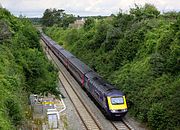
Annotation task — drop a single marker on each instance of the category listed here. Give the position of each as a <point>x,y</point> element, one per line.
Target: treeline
<point>58,17</point>
<point>139,53</point>
<point>23,69</point>
<point>35,21</point>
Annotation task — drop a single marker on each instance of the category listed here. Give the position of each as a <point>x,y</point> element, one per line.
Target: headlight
<point>113,111</point>
<point>124,110</point>
<point>119,111</point>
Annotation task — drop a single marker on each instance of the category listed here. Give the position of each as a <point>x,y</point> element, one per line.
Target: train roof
<point>91,75</point>
<point>52,42</point>
<point>80,65</point>
<point>67,54</point>
<point>48,39</point>
<point>58,47</point>
<point>102,85</point>
<point>114,93</point>
<point>42,34</point>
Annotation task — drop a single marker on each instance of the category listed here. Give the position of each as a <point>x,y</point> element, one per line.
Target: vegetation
<point>35,21</point>
<point>139,53</point>
<point>59,17</point>
<point>23,69</point>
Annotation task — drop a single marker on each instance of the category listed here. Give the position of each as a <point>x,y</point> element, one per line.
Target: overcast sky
<point>35,8</point>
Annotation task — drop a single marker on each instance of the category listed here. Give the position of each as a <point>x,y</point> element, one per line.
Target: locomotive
<point>110,99</point>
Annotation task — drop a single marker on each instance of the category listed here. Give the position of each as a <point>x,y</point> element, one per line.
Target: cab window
<point>117,100</point>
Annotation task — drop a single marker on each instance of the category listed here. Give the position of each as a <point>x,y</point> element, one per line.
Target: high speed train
<point>111,100</point>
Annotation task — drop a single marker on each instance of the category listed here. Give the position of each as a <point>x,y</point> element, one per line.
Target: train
<point>112,101</point>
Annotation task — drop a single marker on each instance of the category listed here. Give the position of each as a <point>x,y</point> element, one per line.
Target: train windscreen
<point>117,100</point>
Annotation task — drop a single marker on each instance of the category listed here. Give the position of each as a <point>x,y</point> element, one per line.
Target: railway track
<point>123,125</point>
<point>88,118</point>
<point>85,115</point>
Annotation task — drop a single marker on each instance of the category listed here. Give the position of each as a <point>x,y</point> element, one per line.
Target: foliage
<point>89,23</point>
<point>139,53</point>
<point>59,17</point>
<point>23,69</point>
<point>148,11</point>
<point>35,21</point>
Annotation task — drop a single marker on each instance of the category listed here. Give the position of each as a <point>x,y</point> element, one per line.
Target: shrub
<point>139,53</point>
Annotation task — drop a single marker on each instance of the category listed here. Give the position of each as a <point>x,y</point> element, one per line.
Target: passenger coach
<point>111,100</point>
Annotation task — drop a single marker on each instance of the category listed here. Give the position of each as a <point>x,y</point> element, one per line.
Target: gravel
<point>73,120</point>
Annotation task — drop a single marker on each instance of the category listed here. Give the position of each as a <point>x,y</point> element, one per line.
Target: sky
<point>35,8</point>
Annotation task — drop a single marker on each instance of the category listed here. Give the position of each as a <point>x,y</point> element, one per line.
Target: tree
<point>89,23</point>
<point>67,19</point>
<point>59,17</point>
<point>147,11</point>
<point>47,18</point>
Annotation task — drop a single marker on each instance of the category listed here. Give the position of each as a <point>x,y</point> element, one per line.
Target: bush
<point>157,116</point>
<point>139,53</point>
<point>23,69</point>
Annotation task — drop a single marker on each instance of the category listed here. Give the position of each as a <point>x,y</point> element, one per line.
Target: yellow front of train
<point>117,106</point>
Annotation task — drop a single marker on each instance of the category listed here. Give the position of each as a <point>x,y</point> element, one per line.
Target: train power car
<point>111,100</point>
